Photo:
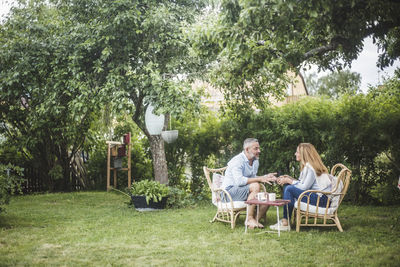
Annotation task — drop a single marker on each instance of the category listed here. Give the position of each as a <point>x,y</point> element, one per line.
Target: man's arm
<point>268,178</point>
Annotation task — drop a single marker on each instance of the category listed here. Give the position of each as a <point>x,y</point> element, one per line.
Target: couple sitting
<point>242,182</point>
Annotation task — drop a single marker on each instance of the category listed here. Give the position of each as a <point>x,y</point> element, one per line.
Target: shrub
<point>179,198</point>
<point>359,131</point>
<point>10,183</point>
<point>200,142</point>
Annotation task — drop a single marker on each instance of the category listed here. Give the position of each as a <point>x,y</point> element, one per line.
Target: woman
<point>311,177</point>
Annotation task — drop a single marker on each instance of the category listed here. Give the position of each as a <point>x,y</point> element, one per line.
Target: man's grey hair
<point>248,141</point>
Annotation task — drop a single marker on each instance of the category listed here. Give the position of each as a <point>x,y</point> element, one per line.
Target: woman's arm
<point>307,179</point>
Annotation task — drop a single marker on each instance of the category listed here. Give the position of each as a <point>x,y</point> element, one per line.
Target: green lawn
<point>100,229</point>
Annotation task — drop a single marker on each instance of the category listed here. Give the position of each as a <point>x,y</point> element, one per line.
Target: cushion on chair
<point>216,183</point>
<point>313,209</point>
<point>335,198</point>
<point>236,204</point>
<point>335,201</point>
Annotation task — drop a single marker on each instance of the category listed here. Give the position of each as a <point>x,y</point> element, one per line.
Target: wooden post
<point>115,177</point>
<point>129,165</point>
<point>108,166</point>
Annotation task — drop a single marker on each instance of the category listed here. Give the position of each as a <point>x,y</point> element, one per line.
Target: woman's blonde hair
<point>309,154</point>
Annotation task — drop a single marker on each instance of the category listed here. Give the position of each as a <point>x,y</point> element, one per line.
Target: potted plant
<point>149,194</point>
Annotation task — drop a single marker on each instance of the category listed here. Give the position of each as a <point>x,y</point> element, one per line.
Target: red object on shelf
<point>127,138</point>
<point>122,151</point>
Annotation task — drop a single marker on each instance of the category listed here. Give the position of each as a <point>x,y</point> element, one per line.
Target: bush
<point>179,198</point>
<point>359,131</point>
<point>200,142</point>
<point>10,183</point>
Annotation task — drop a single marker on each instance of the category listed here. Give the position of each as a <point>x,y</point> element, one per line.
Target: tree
<point>144,57</point>
<point>49,92</point>
<point>256,42</point>
<point>334,84</point>
<point>94,51</point>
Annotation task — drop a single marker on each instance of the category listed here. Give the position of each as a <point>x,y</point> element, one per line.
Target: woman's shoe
<point>281,227</point>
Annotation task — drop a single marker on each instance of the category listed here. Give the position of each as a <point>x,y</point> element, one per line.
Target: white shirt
<point>239,170</point>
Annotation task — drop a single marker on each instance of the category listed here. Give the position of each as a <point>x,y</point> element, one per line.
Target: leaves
<point>253,41</point>
<point>153,190</point>
<point>10,183</point>
<point>335,84</point>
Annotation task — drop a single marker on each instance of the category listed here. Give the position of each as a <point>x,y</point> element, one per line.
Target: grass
<point>100,229</point>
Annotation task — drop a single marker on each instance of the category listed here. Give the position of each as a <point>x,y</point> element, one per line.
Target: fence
<point>34,182</point>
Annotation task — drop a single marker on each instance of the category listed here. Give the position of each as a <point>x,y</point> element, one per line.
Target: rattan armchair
<point>227,209</point>
<point>310,215</point>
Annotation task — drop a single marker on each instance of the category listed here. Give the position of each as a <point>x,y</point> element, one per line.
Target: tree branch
<point>321,50</point>
<point>382,28</point>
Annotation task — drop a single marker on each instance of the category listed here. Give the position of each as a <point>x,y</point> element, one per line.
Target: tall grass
<point>100,229</point>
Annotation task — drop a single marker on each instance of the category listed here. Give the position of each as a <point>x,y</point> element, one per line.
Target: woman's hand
<point>284,179</point>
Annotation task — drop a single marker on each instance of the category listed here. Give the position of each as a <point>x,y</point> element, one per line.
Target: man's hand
<point>268,178</point>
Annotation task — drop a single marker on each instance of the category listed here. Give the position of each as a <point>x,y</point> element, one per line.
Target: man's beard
<point>253,156</point>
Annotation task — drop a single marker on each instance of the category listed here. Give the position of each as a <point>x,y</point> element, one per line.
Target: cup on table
<point>261,196</point>
<point>271,196</point>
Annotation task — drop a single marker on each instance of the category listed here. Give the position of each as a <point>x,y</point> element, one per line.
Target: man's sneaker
<point>282,227</point>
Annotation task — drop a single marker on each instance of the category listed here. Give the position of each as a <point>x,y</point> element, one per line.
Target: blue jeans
<point>292,193</point>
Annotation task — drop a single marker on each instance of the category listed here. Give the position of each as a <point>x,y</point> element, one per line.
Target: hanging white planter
<point>154,123</point>
<point>169,136</point>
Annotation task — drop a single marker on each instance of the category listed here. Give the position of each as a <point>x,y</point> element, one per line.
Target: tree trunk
<point>159,159</point>
<point>156,145</point>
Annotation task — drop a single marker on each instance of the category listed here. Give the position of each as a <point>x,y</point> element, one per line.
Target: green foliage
<point>152,190</point>
<point>179,198</point>
<point>97,167</point>
<point>63,61</point>
<point>141,165</point>
<point>360,131</point>
<point>10,183</point>
<point>201,139</point>
<point>255,43</point>
<point>334,84</point>
<point>56,173</point>
<point>139,51</point>
<point>49,91</point>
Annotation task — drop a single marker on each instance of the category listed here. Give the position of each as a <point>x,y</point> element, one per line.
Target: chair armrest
<point>318,191</point>
<point>329,195</point>
<point>225,196</point>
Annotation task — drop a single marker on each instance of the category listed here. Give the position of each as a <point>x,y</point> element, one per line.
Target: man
<point>241,180</point>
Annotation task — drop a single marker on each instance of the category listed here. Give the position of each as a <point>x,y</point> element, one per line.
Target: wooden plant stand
<point>112,147</point>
